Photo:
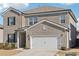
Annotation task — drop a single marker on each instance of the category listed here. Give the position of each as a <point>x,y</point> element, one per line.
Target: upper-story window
<point>62,18</point>
<point>32,20</point>
<point>11,20</point>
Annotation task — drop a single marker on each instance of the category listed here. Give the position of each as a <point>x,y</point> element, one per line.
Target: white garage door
<point>44,42</point>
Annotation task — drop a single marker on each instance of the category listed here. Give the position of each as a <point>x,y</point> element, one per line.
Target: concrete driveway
<point>37,52</point>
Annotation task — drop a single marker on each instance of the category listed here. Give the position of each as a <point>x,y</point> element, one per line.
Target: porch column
<point>67,39</point>
<point>27,40</point>
<point>18,39</point>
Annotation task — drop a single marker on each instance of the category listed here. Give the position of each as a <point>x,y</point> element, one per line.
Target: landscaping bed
<point>8,49</point>
<point>7,46</point>
<point>70,52</point>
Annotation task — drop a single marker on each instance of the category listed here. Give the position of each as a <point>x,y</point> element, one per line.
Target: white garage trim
<point>30,42</point>
<point>46,42</point>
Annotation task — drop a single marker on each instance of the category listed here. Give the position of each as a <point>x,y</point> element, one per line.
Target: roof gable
<point>51,23</point>
<point>11,9</point>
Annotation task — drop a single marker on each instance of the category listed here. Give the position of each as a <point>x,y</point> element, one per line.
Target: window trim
<point>60,19</point>
<point>33,21</point>
<point>13,41</point>
<point>9,24</point>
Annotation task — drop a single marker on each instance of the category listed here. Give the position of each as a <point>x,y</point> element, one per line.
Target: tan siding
<point>39,30</point>
<point>1,35</point>
<point>18,19</point>
<point>27,21</point>
<point>52,18</point>
<point>11,29</point>
<point>23,21</point>
<point>71,21</point>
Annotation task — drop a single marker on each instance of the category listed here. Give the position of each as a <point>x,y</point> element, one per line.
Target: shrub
<point>9,46</point>
<point>1,45</point>
<point>13,45</point>
<point>63,48</point>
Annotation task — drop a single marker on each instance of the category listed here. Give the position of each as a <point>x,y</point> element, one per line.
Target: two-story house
<point>43,27</point>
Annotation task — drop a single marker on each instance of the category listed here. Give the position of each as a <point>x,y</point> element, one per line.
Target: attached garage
<point>44,42</point>
<point>46,35</point>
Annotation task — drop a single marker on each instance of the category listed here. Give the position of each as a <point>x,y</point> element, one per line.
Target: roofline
<point>72,15</point>
<point>42,6</point>
<point>44,12</point>
<point>66,10</point>
<point>48,22</point>
<point>11,8</point>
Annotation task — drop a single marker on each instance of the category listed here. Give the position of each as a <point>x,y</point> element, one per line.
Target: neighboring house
<point>1,33</point>
<point>43,27</point>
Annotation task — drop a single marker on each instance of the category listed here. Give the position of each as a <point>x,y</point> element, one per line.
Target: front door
<point>22,41</point>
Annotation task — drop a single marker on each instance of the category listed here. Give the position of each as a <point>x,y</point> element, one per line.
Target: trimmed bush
<point>7,46</point>
<point>63,48</point>
<point>13,46</point>
<point>1,45</point>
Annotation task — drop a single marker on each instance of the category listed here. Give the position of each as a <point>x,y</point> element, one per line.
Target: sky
<point>26,6</point>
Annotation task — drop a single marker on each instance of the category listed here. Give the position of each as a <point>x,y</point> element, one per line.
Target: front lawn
<point>9,52</point>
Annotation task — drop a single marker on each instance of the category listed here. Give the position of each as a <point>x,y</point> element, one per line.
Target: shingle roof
<point>47,10</point>
<point>43,9</point>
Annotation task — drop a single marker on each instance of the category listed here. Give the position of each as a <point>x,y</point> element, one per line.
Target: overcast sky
<point>22,7</point>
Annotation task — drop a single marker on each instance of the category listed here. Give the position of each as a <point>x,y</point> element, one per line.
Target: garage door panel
<point>36,43</point>
<point>44,42</point>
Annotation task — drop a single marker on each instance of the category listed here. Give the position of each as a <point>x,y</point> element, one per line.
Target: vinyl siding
<point>11,29</point>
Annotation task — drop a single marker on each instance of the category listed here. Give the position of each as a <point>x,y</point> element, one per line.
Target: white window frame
<point>9,23</point>
<point>60,19</point>
<point>32,20</point>
<point>9,38</point>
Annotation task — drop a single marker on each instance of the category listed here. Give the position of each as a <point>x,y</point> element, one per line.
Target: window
<point>62,19</point>
<point>32,20</point>
<point>11,20</point>
<point>11,38</point>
